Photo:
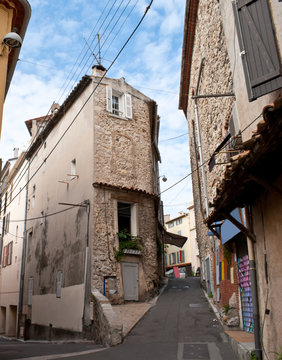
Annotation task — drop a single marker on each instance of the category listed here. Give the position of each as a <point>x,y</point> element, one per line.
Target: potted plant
<point>128,244</point>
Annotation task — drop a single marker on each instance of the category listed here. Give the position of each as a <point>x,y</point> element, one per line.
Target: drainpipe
<point>198,128</point>
<point>87,202</point>
<point>253,286</point>
<point>20,308</point>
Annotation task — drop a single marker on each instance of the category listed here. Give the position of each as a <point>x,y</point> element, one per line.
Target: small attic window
<point>73,167</point>
<point>118,103</point>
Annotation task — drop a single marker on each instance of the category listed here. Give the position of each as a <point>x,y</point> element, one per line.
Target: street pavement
<point>181,326</point>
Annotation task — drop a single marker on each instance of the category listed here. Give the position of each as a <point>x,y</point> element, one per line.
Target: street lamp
<point>164,179</point>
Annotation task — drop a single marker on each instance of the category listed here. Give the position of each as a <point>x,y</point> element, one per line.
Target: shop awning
<point>174,239</point>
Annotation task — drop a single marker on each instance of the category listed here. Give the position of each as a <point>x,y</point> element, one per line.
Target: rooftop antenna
<point>99,62</point>
<point>99,53</point>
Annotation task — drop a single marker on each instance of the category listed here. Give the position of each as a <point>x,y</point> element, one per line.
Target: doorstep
<point>242,342</point>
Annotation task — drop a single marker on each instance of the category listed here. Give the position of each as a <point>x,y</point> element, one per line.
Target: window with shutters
<point>6,221</point>
<point>118,103</point>
<point>258,48</point>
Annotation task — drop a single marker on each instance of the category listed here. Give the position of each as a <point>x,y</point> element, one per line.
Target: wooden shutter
<point>109,95</point>
<point>10,253</point>
<point>128,106</point>
<point>5,252</point>
<point>258,48</point>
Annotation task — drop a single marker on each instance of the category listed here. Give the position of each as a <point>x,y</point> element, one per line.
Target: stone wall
<point>106,242</point>
<point>213,113</point>
<point>107,328</point>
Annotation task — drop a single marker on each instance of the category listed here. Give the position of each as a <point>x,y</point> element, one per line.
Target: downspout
<point>198,128</point>
<point>20,308</point>
<point>85,281</point>
<point>252,263</point>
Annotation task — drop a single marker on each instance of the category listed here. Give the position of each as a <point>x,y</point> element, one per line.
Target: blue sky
<point>54,56</point>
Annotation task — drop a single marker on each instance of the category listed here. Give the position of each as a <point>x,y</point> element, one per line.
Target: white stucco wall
<point>10,275</point>
<point>63,313</point>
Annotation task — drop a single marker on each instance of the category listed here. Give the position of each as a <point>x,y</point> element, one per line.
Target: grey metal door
<point>130,281</point>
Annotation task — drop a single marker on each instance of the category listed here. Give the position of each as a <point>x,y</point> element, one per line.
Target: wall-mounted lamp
<point>12,40</point>
<point>164,179</point>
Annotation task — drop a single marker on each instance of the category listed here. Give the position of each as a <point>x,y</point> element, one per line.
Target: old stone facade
<point>233,111</point>
<point>208,77</point>
<point>93,174</point>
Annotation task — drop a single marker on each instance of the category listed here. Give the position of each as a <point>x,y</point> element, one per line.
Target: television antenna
<point>98,59</point>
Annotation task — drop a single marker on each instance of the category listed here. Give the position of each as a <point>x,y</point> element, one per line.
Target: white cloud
<point>150,62</point>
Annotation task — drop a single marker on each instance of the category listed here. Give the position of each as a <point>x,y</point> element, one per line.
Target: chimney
<point>16,152</point>
<point>55,108</point>
<point>98,70</point>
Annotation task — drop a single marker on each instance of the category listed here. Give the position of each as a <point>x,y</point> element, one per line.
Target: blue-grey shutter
<point>258,48</point>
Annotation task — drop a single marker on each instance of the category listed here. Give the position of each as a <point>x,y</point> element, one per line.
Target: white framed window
<point>127,217</point>
<point>118,103</point>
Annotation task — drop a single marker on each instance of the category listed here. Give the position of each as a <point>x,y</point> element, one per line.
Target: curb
<point>242,350</point>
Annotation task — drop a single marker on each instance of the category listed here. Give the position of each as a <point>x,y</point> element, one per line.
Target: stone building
<point>11,245</point>
<point>187,255</point>
<point>92,207</point>
<point>230,87</point>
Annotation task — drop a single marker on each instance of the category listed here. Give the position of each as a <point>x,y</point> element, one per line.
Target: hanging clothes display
<point>246,293</point>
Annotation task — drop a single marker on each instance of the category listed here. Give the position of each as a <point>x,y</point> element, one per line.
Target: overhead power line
<point>84,104</point>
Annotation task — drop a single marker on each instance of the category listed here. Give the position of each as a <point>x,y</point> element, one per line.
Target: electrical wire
<point>208,160</point>
<point>45,215</point>
<point>173,138</point>
<point>42,126</point>
<point>120,29</point>
<point>86,101</point>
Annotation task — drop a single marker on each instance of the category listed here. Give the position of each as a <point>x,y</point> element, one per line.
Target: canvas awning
<point>174,239</point>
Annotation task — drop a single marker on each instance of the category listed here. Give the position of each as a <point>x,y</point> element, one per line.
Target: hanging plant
<point>127,241</point>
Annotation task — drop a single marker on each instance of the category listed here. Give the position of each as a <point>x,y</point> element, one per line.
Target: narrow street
<point>181,326</point>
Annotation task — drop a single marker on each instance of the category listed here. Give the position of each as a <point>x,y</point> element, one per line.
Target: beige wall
<point>267,219</point>
<point>59,242</point>
<point>65,312</point>
<point>10,275</point>
<point>187,228</point>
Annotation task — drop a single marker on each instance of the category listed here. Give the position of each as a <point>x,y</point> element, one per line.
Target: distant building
<point>93,180</point>
<point>12,228</point>
<point>188,255</point>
